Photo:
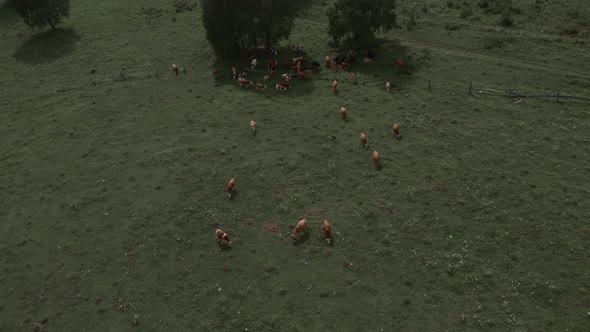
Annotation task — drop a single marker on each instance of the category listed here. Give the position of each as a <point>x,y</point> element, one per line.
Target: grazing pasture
<point>114,175</point>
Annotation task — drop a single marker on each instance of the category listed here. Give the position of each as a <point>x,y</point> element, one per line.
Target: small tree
<point>355,22</point>
<point>232,25</point>
<point>38,13</point>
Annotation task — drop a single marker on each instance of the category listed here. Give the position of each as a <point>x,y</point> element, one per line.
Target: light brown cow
<point>301,226</point>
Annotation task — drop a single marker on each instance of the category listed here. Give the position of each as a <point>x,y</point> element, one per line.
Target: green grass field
<point>110,192</point>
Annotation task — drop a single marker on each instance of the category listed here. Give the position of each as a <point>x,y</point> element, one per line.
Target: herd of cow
<point>297,66</point>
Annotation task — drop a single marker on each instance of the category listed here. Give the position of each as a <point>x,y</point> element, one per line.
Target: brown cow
<point>363,140</point>
<point>260,87</point>
<point>344,113</point>
<point>215,72</point>
<point>401,64</point>
<point>230,187</point>
<point>283,86</point>
<point>221,235</point>
<point>304,74</point>
<point>244,83</point>
<point>327,230</point>
<point>376,159</point>
<point>301,226</point>
<point>396,131</point>
<point>175,69</point>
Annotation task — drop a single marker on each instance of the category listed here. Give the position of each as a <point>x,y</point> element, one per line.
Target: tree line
<point>233,25</point>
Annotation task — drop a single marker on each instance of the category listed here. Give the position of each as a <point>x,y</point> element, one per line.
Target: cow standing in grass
<point>396,131</point>
<point>335,87</point>
<point>230,187</point>
<point>363,138</point>
<point>283,86</point>
<point>222,236</point>
<point>244,83</point>
<point>175,69</point>
<point>377,160</point>
<point>327,228</point>
<point>344,113</point>
<point>301,226</point>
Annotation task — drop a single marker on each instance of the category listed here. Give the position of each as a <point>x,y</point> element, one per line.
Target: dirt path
<point>482,56</point>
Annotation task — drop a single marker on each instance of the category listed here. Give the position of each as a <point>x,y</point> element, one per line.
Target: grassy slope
<point>110,193</point>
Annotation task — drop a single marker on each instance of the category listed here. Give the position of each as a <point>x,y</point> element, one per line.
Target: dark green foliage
<point>507,19</point>
<point>39,13</point>
<point>232,25</point>
<point>354,23</point>
<point>466,12</point>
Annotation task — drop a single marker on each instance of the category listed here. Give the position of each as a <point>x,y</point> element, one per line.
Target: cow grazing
<point>304,75</point>
<point>335,86</point>
<point>401,64</point>
<point>396,131</point>
<point>328,61</point>
<point>175,69</point>
<point>260,87</point>
<point>344,113</point>
<point>272,64</point>
<point>387,86</point>
<point>244,83</point>
<point>301,226</point>
<point>215,72</point>
<point>377,160</point>
<point>345,65</point>
<point>327,228</point>
<point>253,126</point>
<point>283,86</point>
<point>230,187</point>
<point>222,236</point>
<point>301,59</point>
<point>363,140</point>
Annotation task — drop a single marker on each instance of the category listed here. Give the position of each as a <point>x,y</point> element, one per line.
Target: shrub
<point>493,42</point>
<point>506,19</point>
<point>452,26</point>
<point>570,31</point>
<point>466,12</point>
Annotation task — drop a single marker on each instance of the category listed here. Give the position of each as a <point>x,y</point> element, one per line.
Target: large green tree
<point>38,13</point>
<point>232,25</point>
<point>354,22</point>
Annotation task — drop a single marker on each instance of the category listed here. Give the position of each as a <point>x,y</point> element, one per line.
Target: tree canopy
<point>354,22</point>
<point>232,25</point>
<point>38,13</point>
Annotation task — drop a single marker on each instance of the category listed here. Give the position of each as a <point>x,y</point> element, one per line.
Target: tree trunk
<point>51,25</point>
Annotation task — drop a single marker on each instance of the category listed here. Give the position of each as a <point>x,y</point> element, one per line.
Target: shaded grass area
<point>111,193</point>
<point>45,47</point>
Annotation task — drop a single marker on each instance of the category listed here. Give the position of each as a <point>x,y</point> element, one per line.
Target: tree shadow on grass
<point>384,66</point>
<point>46,47</point>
